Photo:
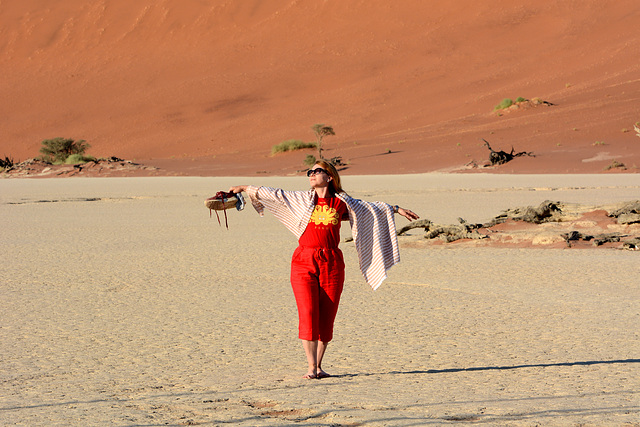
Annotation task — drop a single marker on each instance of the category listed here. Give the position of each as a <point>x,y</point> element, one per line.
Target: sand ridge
<point>208,88</point>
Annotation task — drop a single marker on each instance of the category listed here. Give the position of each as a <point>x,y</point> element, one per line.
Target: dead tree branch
<point>502,157</point>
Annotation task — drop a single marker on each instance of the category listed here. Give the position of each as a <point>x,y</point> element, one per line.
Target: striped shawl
<point>372,224</point>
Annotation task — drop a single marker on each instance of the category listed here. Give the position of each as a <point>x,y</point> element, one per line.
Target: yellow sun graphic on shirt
<point>324,215</point>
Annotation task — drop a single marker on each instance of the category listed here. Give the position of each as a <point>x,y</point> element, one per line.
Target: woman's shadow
<point>492,368</point>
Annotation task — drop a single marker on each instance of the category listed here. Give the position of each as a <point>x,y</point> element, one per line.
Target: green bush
<point>57,150</point>
<point>310,160</point>
<point>5,163</point>
<point>291,145</point>
<point>520,99</point>
<point>78,159</point>
<point>506,103</point>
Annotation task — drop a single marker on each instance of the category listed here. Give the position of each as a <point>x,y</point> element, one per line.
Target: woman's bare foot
<point>310,375</point>
<point>322,374</point>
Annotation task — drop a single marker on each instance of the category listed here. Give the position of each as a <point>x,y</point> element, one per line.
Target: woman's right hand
<point>238,189</point>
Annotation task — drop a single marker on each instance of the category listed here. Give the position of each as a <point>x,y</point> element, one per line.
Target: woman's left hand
<point>408,214</point>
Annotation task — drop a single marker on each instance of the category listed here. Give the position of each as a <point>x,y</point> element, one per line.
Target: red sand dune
<point>209,87</point>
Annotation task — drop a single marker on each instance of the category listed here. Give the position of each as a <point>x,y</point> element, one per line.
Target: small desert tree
<point>321,131</point>
<point>57,150</point>
<point>6,163</point>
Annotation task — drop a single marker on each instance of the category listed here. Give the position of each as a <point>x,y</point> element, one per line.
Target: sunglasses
<point>316,171</point>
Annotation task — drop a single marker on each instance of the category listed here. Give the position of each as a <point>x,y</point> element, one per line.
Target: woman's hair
<point>336,186</point>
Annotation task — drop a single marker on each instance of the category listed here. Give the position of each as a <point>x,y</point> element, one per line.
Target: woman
<point>317,266</point>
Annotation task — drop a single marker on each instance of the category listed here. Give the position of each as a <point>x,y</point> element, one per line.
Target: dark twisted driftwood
<point>448,233</point>
<point>632,244</point>
<point>421,223</point>
<point>547,211</point>
<point>598,239</point>
<point>627,214</point>
<point>502,157</point>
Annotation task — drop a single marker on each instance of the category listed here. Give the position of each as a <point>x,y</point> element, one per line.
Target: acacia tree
<point>321,130</point>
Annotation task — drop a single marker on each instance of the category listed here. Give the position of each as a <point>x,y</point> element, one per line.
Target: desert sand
<point>124,303</point>
<point>207,88</point>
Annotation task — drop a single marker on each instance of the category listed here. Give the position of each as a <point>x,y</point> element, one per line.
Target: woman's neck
<point>323,192</point>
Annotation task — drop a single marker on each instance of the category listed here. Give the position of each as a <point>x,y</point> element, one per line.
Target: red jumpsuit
<point>317,270</point>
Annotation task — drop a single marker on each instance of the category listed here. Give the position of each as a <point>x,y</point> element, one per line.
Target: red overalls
<point>317,271</point>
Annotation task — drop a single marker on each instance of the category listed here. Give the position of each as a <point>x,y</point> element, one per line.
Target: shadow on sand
<point>495,368</point>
